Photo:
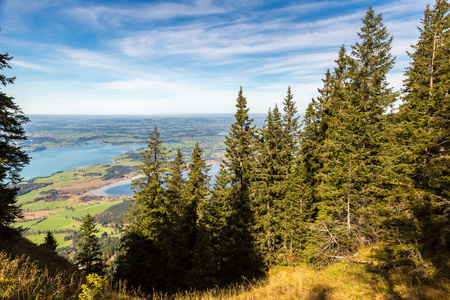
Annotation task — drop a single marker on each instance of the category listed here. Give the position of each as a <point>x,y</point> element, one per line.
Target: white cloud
<point>116,15</point>
<point>30,66</point>
<point>216,43</point>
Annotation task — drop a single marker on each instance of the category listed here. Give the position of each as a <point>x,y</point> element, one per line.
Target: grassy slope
<point>17,246</point>
<point>354,279</point>
<point>342,280</point>
<point>28,271</point>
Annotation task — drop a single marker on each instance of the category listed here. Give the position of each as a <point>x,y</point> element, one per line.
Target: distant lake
<point>46,162</point>
<point>124,187</point>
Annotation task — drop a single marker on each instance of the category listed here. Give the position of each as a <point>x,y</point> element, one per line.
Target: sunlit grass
<point>28,281</point>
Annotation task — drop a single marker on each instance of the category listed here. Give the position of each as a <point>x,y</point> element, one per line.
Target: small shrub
<point>95,285</point>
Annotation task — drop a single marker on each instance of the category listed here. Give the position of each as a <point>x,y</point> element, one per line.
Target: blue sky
<point>163,57</point>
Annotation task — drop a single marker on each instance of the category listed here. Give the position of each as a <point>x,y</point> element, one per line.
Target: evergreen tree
<point>175,203</point>
<point>214,222</point>
<point>316,160</point>
<point>146,243</point>
<point>12,158</point>
<point>88,255</point>
<point>268,187</point>
<point>346,143</point>
<point>149,214</point>
<point>424,134</point>
<point>237,249</point>
<point>196,192</point>
<point>291,217</point>
<point>50,241</point>
<point>196,233</point>
<point>370,174</point>
<point>175,186</point>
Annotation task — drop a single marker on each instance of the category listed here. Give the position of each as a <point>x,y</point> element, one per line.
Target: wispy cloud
<point>116,15</point>
<point>30,66</point>
<point>203,41</point>
<point>185,55</point>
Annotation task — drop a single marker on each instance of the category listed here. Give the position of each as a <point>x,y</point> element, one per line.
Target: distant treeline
<point>117,171</point>
<point>25,188</point>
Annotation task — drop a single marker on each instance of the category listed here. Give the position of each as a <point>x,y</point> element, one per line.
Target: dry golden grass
<point>28,281</point>
<point>341,280</point>
<point>20,278</point>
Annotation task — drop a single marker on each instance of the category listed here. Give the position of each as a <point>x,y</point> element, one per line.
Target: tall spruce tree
<point>12,158</point>
<point>424,134</point>
<point>268,189</point>
<point>371,98</point>
<point>88,255</point>
<point>196,233</point>
<point>316,163</point>
<point>345,145</point>
<point>237,250</point>
<point>175,205</point>
<point>216,220</point>
<point>195,192</point>
<point>291,217</point>
<point>175,187</point>
<point>149,213</point>
<point>147,233</point>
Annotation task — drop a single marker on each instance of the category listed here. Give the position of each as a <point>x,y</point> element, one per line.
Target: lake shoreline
<point>103,190</point>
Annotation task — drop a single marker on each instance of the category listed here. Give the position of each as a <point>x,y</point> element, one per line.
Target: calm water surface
<point>46,162</point>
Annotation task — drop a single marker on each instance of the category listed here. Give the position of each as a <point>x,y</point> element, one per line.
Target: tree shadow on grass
<point>319,292</point>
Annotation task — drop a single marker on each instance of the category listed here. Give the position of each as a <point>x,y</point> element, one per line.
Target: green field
<point>39,239</point>
<point>45,205</point>
<point>66,214</point>
<point>82,210</point>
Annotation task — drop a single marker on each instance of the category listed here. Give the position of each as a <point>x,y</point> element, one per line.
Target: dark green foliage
<point>50,241</point>
<point>278,190</point>
<point>25,188</point>
<point>147,235</point>
<point>114,214</point>
<point>148,212</point>
<point>238,256</point>
<point>52,195</point>
<point>12,158</point>
<point>88,255</point>
<point>195,193</point>
<point>269,190</point>
<point>142,263</point>
<point>292,225</point>
<point>345,145</point>
<point>166,218</point>
<point>90,198</point>
<point>175,246</point>
<point>424,137</point>
<point>118,172</point>
<point>195,232</point>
